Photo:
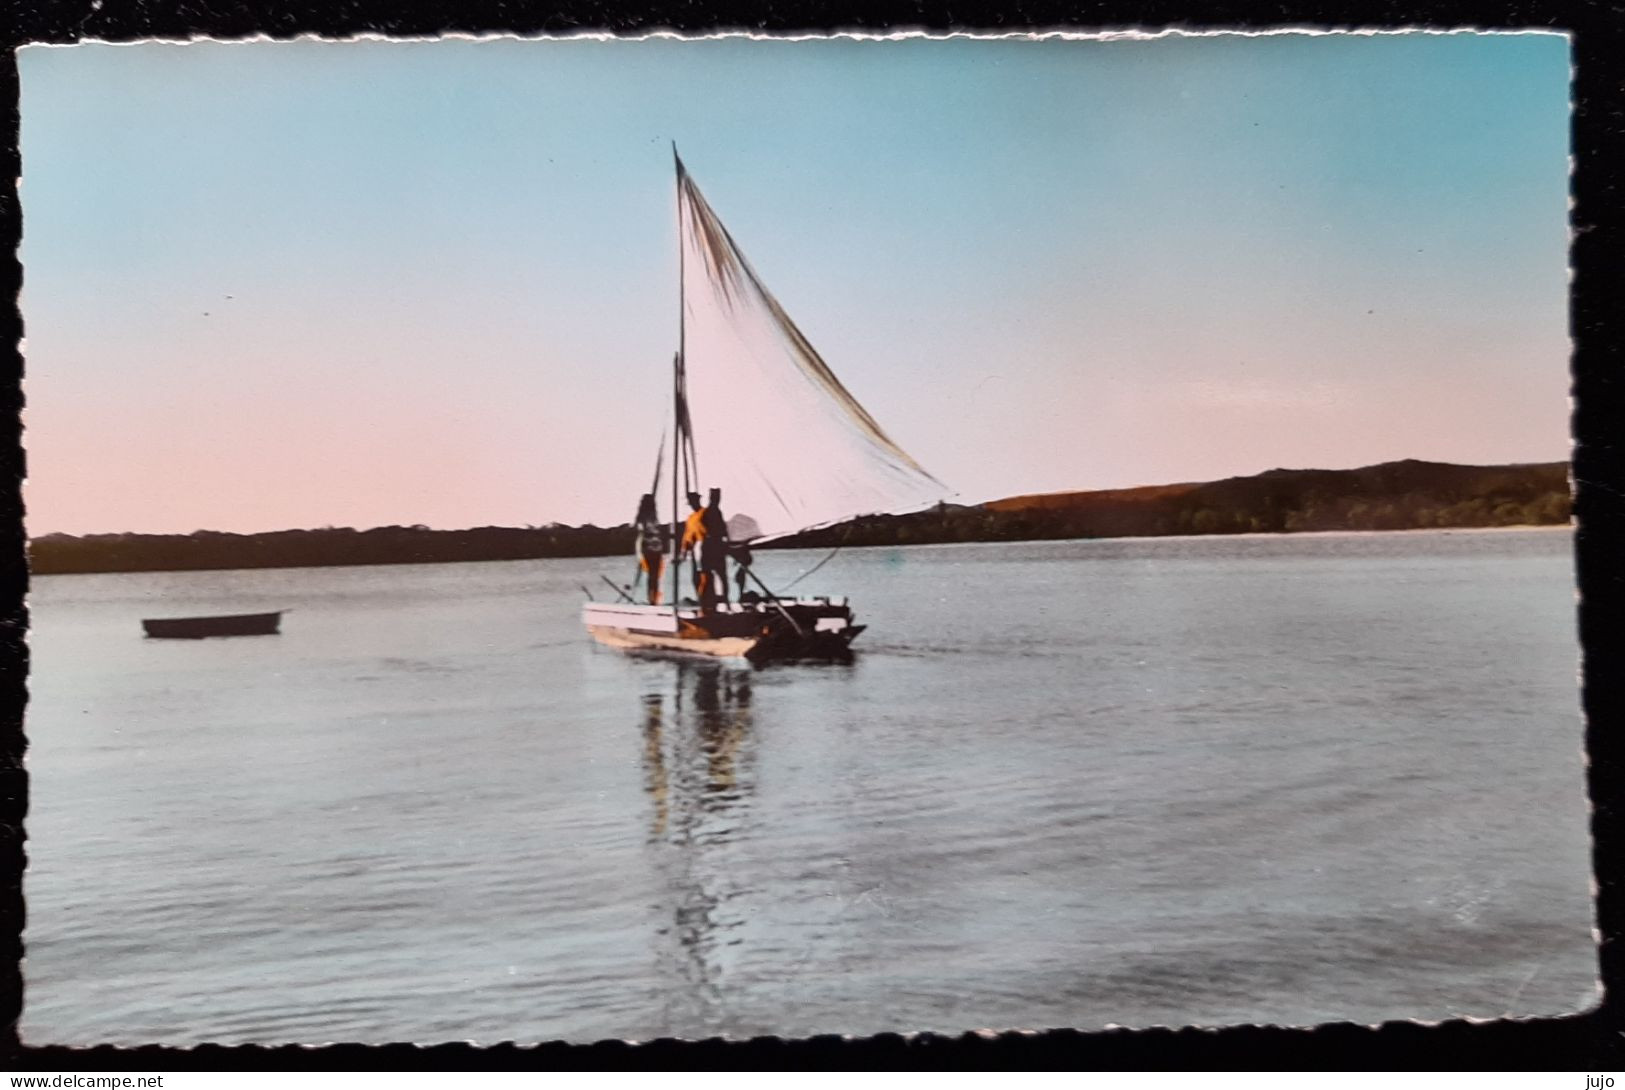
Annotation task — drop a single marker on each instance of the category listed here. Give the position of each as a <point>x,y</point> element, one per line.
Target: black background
<point>1591,1041</point>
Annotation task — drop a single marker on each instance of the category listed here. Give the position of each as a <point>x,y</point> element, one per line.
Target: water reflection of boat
<point>697,736</point>
<point>787,444</point>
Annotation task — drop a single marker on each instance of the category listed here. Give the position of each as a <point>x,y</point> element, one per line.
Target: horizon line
<point>423,527</point>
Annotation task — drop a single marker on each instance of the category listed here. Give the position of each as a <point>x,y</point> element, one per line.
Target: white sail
<point>774,428</point>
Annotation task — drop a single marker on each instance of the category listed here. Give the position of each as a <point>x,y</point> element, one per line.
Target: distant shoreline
<point>1387,498</point>
<point>1522,528</point>
<point>1473,530</point>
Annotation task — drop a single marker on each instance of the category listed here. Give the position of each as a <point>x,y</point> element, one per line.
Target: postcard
<point>580,539</point>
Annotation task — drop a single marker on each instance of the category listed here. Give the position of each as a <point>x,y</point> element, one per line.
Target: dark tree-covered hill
<point>1408,495</point>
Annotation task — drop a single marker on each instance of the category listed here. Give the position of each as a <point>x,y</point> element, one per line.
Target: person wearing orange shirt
<point>693,535</point>
<point>705,542</point>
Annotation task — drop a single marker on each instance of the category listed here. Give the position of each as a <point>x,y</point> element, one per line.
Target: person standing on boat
<point>693,534</point>
<point>651,546</point>
<point>714,547</point>
<point>705,539</point>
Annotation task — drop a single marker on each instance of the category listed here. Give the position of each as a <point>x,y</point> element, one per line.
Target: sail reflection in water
<point>699,773</point>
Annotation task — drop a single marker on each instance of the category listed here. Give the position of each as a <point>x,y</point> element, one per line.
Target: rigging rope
<point>660,458</point>
<point>816,566</point>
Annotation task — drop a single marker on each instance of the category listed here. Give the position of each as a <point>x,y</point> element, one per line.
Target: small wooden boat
<point>197,628</point>
<point>787,629</point>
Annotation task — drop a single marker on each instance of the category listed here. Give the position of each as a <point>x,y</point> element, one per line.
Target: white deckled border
<point>1035,35</point>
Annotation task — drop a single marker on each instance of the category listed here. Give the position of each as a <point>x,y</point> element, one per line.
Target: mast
<point>677,404</point>
<point>676,445</point>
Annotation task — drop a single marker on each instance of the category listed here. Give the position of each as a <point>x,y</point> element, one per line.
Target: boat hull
<point>199,628</point>
<point>804,629</point>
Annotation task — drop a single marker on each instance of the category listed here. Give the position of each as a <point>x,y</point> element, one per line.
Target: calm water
<point>1066,784</point>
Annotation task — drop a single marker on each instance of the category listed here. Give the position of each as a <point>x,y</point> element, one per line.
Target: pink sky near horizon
<point>316,286</point>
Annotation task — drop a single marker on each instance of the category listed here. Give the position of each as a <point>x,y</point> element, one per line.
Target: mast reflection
<point>699,774</point>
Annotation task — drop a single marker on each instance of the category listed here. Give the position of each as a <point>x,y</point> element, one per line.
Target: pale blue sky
<point>1041,265</point>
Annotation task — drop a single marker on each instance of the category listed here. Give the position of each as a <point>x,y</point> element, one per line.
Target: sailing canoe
<point>197,628</point>
<point>788,448</point>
